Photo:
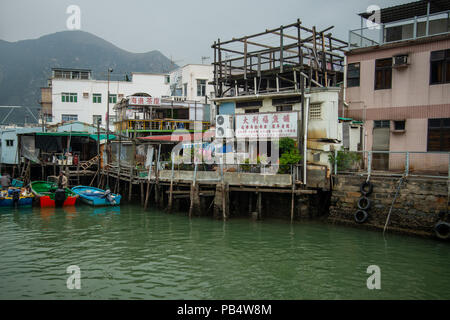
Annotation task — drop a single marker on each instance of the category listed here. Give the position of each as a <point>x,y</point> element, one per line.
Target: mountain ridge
<point>26,65</point>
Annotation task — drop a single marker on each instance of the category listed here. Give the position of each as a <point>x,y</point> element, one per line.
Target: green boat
<point>47,193</point>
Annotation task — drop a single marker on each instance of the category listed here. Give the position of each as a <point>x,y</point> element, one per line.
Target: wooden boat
<point>47,193</point>
<point>97,197</point>
<point>16,197</point>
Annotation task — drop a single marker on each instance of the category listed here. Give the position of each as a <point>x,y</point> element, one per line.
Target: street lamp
<point>110,70</point>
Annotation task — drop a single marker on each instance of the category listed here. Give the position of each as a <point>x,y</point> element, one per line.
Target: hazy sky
<point>182,29</point>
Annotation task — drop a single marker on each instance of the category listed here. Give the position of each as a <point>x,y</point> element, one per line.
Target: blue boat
<point>15,196</point>
<point>97,197</point>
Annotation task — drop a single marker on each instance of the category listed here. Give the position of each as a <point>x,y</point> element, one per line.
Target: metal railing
<point>160,125</point>
<point>392,163</point>
<point>407,29</point>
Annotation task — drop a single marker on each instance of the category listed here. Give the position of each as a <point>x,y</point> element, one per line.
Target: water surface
<point>128,253</point>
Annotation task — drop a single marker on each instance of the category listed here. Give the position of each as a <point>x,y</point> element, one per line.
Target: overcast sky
<point>182,29</point>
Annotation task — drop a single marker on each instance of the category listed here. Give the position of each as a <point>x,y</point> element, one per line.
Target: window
<point>69,97</point>
<point>284,108</point>
<point>97,98</point>
<point>48,118</point>
<point>353,75</point>
<point>69,117</point>
<point>254,103</point>
<point>113,98</point>
<point>290,100</point>
<point>201,88</point>
<point>382,124</point>
<point>10,143</point>
<point>167,80</point>
<point>399,125</point>
<point>112,119</point>
<point>383,74</point>
<point>96,118</point>
<point>440,67</point>
<point>185,89</point>
<point>439,134</point>
<point>251,110</point>
<point>315,111</point>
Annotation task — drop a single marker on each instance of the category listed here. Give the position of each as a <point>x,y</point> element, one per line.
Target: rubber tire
<point>363,186</point>
<point>361,206</point>
<point>439,233</point>
<point>361,219</point>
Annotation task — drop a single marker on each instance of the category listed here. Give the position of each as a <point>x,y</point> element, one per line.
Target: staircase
<point>25,173</point>
<point>87,164</point>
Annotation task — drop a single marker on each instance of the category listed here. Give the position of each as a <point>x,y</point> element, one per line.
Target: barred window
<point>315,111</point>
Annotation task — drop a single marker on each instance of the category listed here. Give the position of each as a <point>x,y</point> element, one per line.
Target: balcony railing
<point>392,163</point>
<point>402,30</point>
<point>160,125</point>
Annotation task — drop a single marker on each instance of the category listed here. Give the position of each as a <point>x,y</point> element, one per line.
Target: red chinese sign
<point>144,101</point>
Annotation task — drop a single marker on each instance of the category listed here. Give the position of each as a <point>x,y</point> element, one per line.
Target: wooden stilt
<point>293,195</point>
<point>142,194</point>
<point>169,206</point>
<point>259,205</point>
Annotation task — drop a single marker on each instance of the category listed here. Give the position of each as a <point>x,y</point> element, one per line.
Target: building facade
<point>398,83</point>
<point>76,96</point>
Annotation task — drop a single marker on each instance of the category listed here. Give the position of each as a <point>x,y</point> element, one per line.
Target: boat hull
<point>45,193</point>
<point>23,202</point>
<point>46,201</point>
<point>95,201</point>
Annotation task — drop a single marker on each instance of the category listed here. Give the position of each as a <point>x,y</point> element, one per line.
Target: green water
<point>126,253</point>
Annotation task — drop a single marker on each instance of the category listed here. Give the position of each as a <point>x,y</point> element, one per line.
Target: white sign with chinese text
<point>266,125</point>
<point>143,101</point>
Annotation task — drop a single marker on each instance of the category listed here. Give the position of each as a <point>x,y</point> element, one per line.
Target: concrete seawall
<point>420,203</point>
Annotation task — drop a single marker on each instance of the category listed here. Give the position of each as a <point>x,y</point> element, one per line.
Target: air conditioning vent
<point>400,61</point>
<point>224,126</point>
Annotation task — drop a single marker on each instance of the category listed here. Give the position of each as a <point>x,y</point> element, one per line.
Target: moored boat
<point>19,197</point>
<point>97,197</point>
<point>50,196</point>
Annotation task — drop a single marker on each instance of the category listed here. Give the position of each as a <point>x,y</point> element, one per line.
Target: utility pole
<point>107,120</point>
<point>98,152</point>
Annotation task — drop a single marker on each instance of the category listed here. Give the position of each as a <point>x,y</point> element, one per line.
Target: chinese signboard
<point>266,125</point>
<point>143,101</point>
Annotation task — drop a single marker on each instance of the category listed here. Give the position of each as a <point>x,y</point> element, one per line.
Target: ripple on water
<point>131,254</point>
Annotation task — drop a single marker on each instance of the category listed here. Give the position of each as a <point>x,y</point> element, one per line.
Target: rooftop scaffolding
<point>278,60</point>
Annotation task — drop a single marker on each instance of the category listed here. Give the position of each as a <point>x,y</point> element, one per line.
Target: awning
<point>178,137</point>
<point>76,134</point>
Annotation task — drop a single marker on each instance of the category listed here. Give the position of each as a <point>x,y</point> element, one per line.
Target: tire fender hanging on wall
<point>442,230</point>
<point>361,216</point>
<point>364,203</point>
<point>366,188</point>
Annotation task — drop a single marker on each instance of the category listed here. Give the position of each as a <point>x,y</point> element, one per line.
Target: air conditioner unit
<point>400,60</point>
<point>224,126</point>
<point>86,95</point>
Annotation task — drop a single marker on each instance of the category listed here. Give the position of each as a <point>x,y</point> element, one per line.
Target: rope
<point>393,201</point>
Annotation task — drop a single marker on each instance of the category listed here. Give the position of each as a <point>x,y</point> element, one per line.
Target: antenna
<point>173,62</point>
<point>204,58</point>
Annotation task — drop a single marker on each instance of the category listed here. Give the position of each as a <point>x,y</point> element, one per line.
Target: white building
<point>76,96</point>
<point>191,82</point>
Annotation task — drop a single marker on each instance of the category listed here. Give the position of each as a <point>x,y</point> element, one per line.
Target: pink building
<point>398,83</point>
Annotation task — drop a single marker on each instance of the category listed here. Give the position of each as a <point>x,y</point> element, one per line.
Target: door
<point>381,137</point>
